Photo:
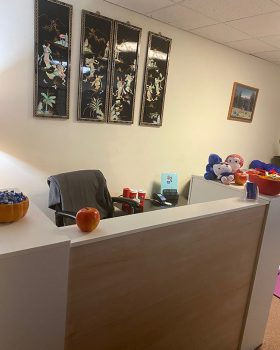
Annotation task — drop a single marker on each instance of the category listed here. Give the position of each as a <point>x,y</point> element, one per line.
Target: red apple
<point>87,219</point>
<point>240,178</point>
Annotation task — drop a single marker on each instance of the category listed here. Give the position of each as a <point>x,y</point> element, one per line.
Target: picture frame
<point>95,67</point>
<point>126,49</point>
<point>243,102</point>
<point>155,80</point>
<point>52,55</point>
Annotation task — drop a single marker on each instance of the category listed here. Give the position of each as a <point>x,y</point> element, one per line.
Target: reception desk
<point>180,278</point>
<point>34,258</point>
<point>202,190</point>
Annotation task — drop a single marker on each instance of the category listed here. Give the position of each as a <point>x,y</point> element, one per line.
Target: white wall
<point>201,75</point>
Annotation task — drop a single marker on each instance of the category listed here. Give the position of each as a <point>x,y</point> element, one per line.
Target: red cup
<point>126,192</point>
<point>142,196</point>
<point>133,194</point>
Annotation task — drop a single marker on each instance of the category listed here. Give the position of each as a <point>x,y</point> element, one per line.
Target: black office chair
<point>69,192</point>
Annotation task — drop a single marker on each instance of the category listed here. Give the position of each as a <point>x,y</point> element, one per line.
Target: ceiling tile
<point>252,26</point>
<point>182,17</point>
<point>258,26</point>
<point>220,33</point>
<point>143,6</point>
<point>273,40</point>
<point>273,56</point>
<point>251,45</point>
<point>226,10</point>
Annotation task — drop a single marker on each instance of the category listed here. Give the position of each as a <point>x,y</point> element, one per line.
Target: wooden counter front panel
<point>181,287</point>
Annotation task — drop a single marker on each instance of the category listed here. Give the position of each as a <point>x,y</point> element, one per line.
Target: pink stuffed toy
<point>235,161</point>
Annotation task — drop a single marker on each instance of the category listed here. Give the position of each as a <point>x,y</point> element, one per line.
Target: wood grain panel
<point>180,287</point>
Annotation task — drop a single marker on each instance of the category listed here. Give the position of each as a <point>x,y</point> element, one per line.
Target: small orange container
<point>13,212</point>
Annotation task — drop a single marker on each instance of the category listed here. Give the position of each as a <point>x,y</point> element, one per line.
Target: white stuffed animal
<point>223,172</point>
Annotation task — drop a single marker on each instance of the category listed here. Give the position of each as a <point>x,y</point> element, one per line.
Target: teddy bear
<point>235,161</point>
<point>223,172</point>
<point>217,169</point>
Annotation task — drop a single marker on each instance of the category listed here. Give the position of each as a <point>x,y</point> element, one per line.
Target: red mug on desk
<point>139,195</point>
<point>126,194</point>
<point>142,196</point>
<point>133,194</point>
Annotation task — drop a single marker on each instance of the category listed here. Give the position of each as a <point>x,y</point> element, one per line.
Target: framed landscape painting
<point>243,102</point>
<point>155,79</point>
<point>124,73</point>
<point>53,20</point>
<point>95,67</point>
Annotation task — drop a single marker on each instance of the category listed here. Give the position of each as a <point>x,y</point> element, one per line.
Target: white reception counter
<point>34,268</point>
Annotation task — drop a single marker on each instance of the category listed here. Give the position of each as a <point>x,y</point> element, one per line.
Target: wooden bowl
<point>266,186</point>
<point>13,212</point>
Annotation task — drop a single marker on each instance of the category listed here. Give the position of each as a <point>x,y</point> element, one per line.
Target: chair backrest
<point>78,189</point>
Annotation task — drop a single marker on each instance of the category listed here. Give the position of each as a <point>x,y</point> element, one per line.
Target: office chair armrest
<point>131,202</point>
<point>67,214</point>
<point>59,215</point>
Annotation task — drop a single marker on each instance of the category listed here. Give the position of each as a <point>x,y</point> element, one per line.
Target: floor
<point>272,333</point>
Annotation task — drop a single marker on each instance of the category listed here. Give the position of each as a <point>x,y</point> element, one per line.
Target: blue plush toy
<point>213,159</point>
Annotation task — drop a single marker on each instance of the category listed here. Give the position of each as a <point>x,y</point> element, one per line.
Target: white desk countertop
<point>35,230</point>
<point>234,187</point>
<point>124,225</point>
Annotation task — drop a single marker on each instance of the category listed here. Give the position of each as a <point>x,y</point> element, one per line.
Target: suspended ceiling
<point>250,26</point>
